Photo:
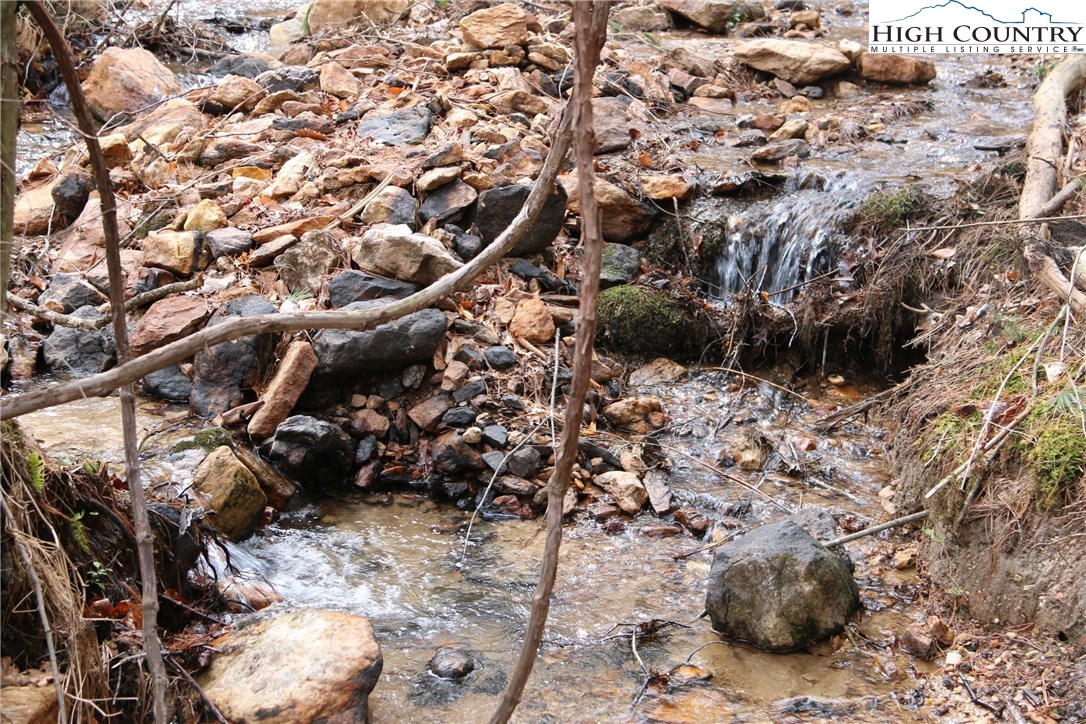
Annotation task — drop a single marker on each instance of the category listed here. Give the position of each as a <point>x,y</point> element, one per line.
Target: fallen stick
<point>877,529</point>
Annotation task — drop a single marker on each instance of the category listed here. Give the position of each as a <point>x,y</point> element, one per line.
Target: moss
<point>206,440</point>
<point>1056,454</point>
<point>884,207</point>
<point>151,223</point>
<point>643,321</point>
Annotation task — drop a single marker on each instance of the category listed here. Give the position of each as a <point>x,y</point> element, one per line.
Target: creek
<point>395,557</point>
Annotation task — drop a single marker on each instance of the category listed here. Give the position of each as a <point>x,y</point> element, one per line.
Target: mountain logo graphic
<point>1027,16</point>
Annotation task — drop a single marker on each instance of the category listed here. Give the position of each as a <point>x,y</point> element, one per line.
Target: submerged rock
<point>231,491</point>
<point>307,665</point>
<point>779,589</point>
<point>452,664</point>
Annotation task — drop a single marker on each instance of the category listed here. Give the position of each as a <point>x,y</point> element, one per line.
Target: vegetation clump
<point>644,321</point>
<point>891,208</point>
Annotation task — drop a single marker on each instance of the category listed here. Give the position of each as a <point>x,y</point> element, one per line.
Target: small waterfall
<point>777,244</point>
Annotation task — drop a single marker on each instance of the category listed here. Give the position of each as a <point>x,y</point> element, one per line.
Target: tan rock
<point>792,128</point>
<point>253,594</point>
<point>749,452</point>
<point>29,704</point>
<point>666,187</point>
<point>174,251</point>
<point>292,228</point>
<point>34,210</point>
<point>519,101</point>
<point>436,177</point>
<point>793,60</point>
<point>231,491</point>
<point>428,413</point>
<point>277,488</point>
<point>115,149</point>
<point>367,56</point>
<point>306,665</point>
<point>237,92</point>
<point>657,372</point>
<point>496,27</point>
<point>394,251</point>
<point>166,123</point>
<point>167,320</point>
<point>123,81</point>
<point>720,106</point>
<point>715,15</point>
<point>290,380</point>
<point>290,177</point>
<point>83,243</point>
<point>623,217</point>
<point>640,414</point>
<point>340,82</point>
<point>204,217</point>
<point>370,422</point>
<point>811,18</point>
<point>532,321</point>
<point>896,69</point>
<point>335,14</point>
<point>625,488</point>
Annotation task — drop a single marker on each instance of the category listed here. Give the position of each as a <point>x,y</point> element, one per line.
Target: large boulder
<point>77,351</point>
<point>312,451</point>
<point>222,372</point>
<point>792,60</point>
<point>496,209</point>
<point>895,69</point>
<point>231,491</point>
<point>640,320</point>
<point>351,285</point>
<point>716,15</point>
<point>345,353</point>
<point>167,320</point>
<point>68,292</point>
<point>780,589</point>
<point>165,123</point>
<point>622,217</point>
<point>126,80</point>
<point>394,251</point>
<point>300,666</point>
<point>335,14</point>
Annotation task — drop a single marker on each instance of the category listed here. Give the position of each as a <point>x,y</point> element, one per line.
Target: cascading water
<point>778,244</point>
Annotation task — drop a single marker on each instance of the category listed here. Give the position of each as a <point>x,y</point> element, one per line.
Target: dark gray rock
<point>500,357</point>
<point>247,66</point>
<point>390,388</point>
<point>225,370</point>
<point>495,436</point>
<point>448,202</point>
<point>346,353</point>
<point>525,463</point>
<point>469,391</point>
<point>355,286</point>
<point>71,291</point>
<point>547,280</point>
<point>367,448</point>
<point>142,279</point>
<point>495,460</point>
<point>70,195</point>
<point>312,451</point>
<point>412,376</point>
<point>295,78</point>
<point>392,206</point>
<point>471,356</point>
<point>452,664</point>
<point>169,383</point>
<point>407,126</point>
<point>498,207</point>
<point>453,456</point>
<point>228,241</point>
<point>466,245</point>
<point>459,417</point>
<point>512,402</point>
<point>70,350</point>
<point>780,150</point>
<point>621,264</point>
<point>779,589</point>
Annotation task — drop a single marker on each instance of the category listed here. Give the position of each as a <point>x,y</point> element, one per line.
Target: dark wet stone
<point>469,391</point>
<point>407,126</point>
<point>452,664</point>
<point>621,264</point>
<point>471,356</point>
<point>169,383</point>
<point>225,370</point>
<point>498,207</point>
<point>412,376</point>
<point>70,195</point>
<point>71,291</point>
<point>229,241</point>
<point>312,451</point>
<point>494,459</point>
<point>500,357</point>
<point>355,286</point>
<point>346,353</point>
<point>77,351</point>
<point>512,402</point>
<point>466,245</point>
<point>367,448</point>
<point>390,388</point>
<point>247,66</point>
<point>460,417</point>
<point>448,202</point>
<point>295,78</point>
<point>547,279</point>
<point>525,463</point>
<point>495,436</point>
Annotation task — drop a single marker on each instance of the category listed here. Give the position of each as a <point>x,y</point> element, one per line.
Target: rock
<point>452,664</point>
<point>167,320</point>
<point>369,422</point>
<point>715,15</point>
<point>33,212</point>
<point>267,252</point>
<point>314,452</point>
<point>29,703</point>
<point>495,436</point>
<point>293,78</point>
<point>498,207</point>
<point>622,217</point>
<point>306,665</point>
<point>204,217</point>
<point>641,414</point>
<point>247,593</point>
<point>70,350</point>
<point>286,387</point>
<point>123,81</point>
<point>621,264</point>
<point>68,292</point>
<point>467,246</point>
<point>247,65</point>
<point>337,81</point>
<point>165,123</point>
<point>749,450</point>
<point>70,193</point>
<point>277,488</point>
<point>666,187</point>
<point>448,202</point>
<point>393,205</point>
<point>453,456</point>
<point>428,413</point>
<point>231,491</point>
<point>811,18</point>
<point>895,69</point>
<point>473,436</point>
<point>290,177</point>
<point>178,252</point>
<point>282,35</point>
<point>437,177</point>
<point>496,27</point>
<point>792,128</point>
<point>396,252</point>
<point>346,353</point>
<point>335,14</point>
<point>532,321</point>
<point>500,357</point>
<point>776,152</point>
<point>229,241</point>
<point>304,266</point>
<point>659,491</point>
<point>625,488</point>
<point>408,126</point>
<point>793,60</point>
<point>354,286</point>
<point>642,18</point>
<point>657,372</point>
<point>235,92</point>
<point>645,321</point>
<point>470,391</point>
<point>459,417</point>
<point>169,383</point>
<point>779,589</point>
<point>918,642</point>
<point>222,371</point>
<point>525,463</point>
<point>611,123</point>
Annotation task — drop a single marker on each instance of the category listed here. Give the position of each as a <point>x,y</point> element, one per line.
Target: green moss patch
<point>644,321</point>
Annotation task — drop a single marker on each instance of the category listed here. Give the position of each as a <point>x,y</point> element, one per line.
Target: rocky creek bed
<point>755,167</point>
